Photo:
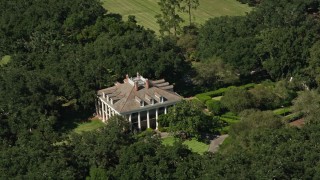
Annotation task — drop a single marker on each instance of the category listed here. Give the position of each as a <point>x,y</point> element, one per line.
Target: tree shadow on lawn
<point>204,137</point>
<point>70,119</point>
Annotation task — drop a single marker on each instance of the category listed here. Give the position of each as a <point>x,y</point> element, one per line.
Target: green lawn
<point>218,98</point>
<point>146,10</point>
<point>5,59</point>
<point>89,126</point>
<point>194,145</point>
<point>282,111</point>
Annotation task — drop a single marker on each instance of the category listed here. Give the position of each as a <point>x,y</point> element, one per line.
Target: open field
<point>89,126</point>
<point>146,10</point>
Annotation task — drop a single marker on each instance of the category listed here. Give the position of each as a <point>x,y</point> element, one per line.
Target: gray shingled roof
<point>124,95</point>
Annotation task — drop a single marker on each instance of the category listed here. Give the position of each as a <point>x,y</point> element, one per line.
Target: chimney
<point>136,85</point>
<point>126,80</point>
<point>138,75</point>
<point>147,84</point>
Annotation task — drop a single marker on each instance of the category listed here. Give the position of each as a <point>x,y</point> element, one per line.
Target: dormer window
<point>159,97</point>
<point>140,101</point>
<point>149,99</point>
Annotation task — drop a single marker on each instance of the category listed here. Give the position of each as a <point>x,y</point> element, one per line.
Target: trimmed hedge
<point>293,117</point>
<point>215,93</point>
<point>247,86</point>
<point>203,97</point>
<point>229,121</point>
<point>230,117</point>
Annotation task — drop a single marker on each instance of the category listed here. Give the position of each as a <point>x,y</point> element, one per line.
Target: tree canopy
<point>62,52</point>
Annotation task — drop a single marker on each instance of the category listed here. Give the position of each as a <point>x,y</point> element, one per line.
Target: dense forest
<point>62,52</point>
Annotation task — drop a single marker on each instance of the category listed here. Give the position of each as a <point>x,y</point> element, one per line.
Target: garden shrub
<point>162,129</point>
<point>264,97</point>
<point>214,106</point>
<point>237,100</point>
<point>224,130</point>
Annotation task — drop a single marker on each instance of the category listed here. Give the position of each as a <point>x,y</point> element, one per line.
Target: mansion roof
<point>137,93</point>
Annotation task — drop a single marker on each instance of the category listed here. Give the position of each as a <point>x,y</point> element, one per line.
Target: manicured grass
<point>218,98</point>
<point>146,10</point>
<point>282,111</point>
<point>193,144</point>
<point>196,146</point>
<point>89,126</point>
<point>5,59</point>
<point>168,140</point>
<point>229,121</point>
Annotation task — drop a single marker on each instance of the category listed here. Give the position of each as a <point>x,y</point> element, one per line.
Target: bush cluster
<point>215,107</point>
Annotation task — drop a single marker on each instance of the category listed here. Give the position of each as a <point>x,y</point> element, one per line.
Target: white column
<point>130,118</point>
<point>130,121</point>
<point>148,119</point>
<point>109,111</point>
<point>103,112</point>
<point>139,121</point>
<point>157,118</point>
<point>97,107</point>
<point>165,110</point>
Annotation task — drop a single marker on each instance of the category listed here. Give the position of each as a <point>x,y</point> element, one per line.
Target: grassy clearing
<point>89,126</point>
<point>5,60</point>
<point>146,10</point>
<point>193,144</point>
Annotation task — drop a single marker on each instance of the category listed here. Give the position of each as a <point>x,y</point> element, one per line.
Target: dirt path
<point>215,143</point>
<point>298,123</point>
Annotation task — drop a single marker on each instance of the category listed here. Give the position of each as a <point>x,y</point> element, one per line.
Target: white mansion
<point>138,99</point>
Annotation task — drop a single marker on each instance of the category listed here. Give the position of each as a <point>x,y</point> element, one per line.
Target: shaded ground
<point>193,144</point>
<point>90,125</point>
<point>215,143</point>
